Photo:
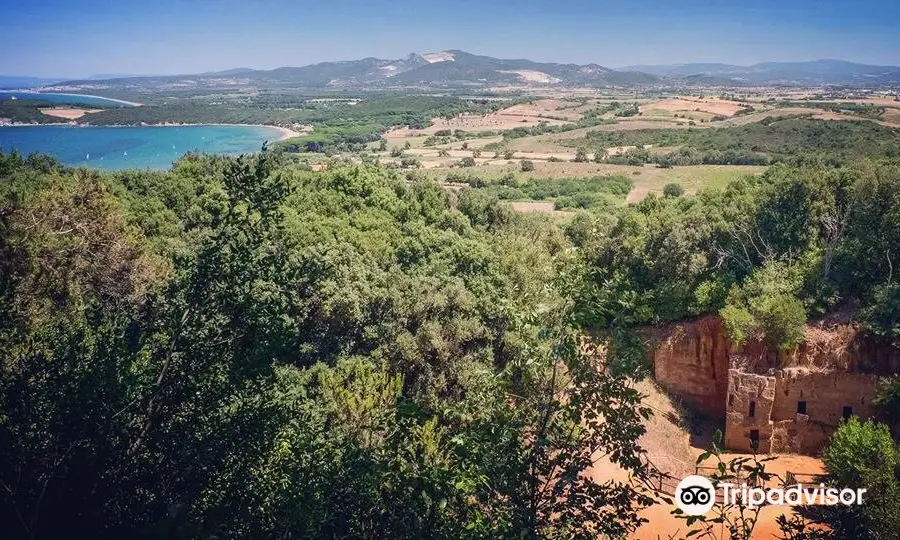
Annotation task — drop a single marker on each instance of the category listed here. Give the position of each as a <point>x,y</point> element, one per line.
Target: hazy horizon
<point>82,38</point>
<point>99,76</point>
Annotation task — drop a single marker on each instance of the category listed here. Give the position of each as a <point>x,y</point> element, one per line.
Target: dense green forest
<point>385,111</point>
<point>767,252</point>
<point>239,347</point>
<point>770,140</point>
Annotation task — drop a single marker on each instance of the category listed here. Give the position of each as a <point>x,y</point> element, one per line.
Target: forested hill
<point>814,72</point>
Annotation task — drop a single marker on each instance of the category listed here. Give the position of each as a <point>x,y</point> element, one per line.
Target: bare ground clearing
<point>539,206</point>
<point>68,114</point>
<point>674,450</point>
<point>522,115</point>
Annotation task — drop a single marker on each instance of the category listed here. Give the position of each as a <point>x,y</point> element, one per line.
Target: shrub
<point>863,455</point>
<point>739,323</point>
<point>410,163</point>
<point>767,304</point>
<point>673,190</point>
<point>782,318</point>
<point>526,165</point>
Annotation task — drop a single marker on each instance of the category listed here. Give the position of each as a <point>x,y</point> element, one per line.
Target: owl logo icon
<point>695,495</point>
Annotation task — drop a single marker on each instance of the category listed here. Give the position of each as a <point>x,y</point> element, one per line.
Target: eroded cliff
<point>780,401</point>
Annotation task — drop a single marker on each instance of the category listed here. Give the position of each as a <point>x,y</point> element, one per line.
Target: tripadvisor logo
<point>696,495</point>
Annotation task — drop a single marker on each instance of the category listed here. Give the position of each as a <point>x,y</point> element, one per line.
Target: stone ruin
<point>783,402</point>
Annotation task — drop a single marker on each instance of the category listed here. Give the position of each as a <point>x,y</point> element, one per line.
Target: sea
<point>126,147</point>
<point>132,147</point>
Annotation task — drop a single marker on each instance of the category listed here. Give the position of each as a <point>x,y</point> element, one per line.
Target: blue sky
<point>74,38</point>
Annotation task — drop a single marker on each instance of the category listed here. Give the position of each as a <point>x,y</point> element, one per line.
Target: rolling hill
<point>829,72</point>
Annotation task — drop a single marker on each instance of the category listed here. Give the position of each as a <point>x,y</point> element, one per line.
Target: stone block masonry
<point>781,402</point>
<point>794,410</point>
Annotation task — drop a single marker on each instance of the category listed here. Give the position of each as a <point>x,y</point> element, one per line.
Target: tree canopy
<point>241,348</point>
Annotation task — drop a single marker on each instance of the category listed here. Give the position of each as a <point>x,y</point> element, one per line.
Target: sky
<point>80,38</point>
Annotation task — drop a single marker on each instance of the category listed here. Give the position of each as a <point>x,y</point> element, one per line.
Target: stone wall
<point>835,367</point>
<point>777,399</point>
<point>746,391</point>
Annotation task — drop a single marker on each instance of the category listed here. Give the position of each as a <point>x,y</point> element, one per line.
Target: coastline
<point>32,91</point>
<point>284,133</point>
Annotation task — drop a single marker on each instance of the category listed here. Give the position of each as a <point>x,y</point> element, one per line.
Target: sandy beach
<point>285,133</point>
<point>38,93</point>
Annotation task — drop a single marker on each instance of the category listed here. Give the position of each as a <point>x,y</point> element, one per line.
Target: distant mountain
<point>459,67</point>
<point>837,72</point>
<point>444,69</point>
<point>233,71</point>
<point>454,69</point>
<point>11,81</point>
<point>347,74</point>
<point>106,76</point>
<point>683,70</point>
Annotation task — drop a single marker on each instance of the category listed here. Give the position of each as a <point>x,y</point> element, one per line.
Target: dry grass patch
<point>68,114</point>
<point>891,117</point>
<point>522,115</point>
<point>647,179</point>
<point>540,206</point>
<point>643,122</point>
<point>711,106</point>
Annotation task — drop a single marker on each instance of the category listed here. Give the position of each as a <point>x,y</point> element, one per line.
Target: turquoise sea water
<point>132,147</point>
<point>74,99</point>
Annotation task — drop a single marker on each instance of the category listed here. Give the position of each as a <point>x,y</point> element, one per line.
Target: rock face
<point>795,410</point>
<point>690,359</point>
<point>780,402</point>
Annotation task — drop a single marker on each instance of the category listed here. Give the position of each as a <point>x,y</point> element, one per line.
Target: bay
<point>133,147</point>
